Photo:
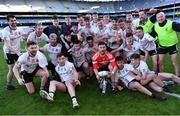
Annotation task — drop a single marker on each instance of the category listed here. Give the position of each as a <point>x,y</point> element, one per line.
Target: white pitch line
<point>172,94</point>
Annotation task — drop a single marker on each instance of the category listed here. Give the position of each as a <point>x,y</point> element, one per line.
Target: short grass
<point>19,102</point>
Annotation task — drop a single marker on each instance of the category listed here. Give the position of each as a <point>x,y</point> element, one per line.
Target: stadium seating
<point>73,6</point>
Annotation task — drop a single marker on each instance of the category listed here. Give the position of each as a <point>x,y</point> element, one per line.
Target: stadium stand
<point>44,9</point>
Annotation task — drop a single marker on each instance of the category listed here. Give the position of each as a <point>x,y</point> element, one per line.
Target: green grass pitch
<point>91,101</point>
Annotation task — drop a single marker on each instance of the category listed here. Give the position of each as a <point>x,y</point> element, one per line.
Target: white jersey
<point>89,54</point>
<point>29,64</point>
<point>143,67</point>
<point>33,37</point>
<point>135,47</point>
<point>100,32</point>
<point>53,51</point>
<point>125,71</point>
<point>14,37</point>
<point>135,22</point>
<point>65,72</point>
<point>108,25</point>
<point>80,27</point>
<point>112,34</point>
<point>85,31</point>
<point>147,43</point>
<point>78,56</point>
<point>124,74</point>
<point>93,24</point>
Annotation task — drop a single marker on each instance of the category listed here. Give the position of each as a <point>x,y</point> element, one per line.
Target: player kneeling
<point>125,73</point>
<point>32,63</point>
<point>69,79</point>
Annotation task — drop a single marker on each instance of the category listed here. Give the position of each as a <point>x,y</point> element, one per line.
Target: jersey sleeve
<point>21,60</point>
<point>130,67</point>
<point>42,60</point>
<point>5,35</point>
<point>149,37</point>
<point>94,61</point>
<point>30,37</point>
<point>71,66</point>
<point>45,47</point>
<point>144,67</point>
<point>112,60</point>
<point>45,37</point>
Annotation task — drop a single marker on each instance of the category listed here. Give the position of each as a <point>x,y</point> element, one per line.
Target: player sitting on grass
<point>78,55</point>
<point>66,80</point>
<point>32,63</point>
<point>147,77</point>
<point>126,73</point>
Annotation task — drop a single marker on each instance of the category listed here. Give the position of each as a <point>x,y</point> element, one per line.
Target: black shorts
<point>151,53</point>
<point>142,52</point>
<point>28,77</point>
<point>51,66</point>
<point>171,50</point>
<point>80,68</point>
<point>11,58</point>
<point>104,69</point>
<point>90,64</point>
<point>56,78</point>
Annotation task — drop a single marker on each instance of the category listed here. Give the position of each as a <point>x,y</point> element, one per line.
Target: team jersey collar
<point>12,28</point>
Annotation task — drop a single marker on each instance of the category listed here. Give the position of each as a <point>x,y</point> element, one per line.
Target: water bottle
<point>167,83</point>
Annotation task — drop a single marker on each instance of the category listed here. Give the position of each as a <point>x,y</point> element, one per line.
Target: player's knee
<point>31,91</point>
<point>52,83</point>
<point>172,75</point>
<point>174,62</point>
<point>45,75</point>
<point>136,85</point>
<point>85,65</point>
<point>133,85</point>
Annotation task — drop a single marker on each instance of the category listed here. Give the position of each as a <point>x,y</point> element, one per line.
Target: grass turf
<point>91,101</point>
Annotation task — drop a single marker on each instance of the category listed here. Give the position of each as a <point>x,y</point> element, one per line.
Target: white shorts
<point>67,78</point>
<point>127,79</point>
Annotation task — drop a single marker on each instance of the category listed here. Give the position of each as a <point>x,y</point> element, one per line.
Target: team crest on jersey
<point>33,60</point>
<point>143,70</point>
<point>166,29</point>
<point>126,69</point>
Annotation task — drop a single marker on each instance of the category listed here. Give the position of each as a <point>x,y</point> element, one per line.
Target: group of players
<point>93,44</point>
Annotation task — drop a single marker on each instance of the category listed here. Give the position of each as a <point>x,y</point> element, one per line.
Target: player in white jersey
<point>147,76</point>
<point>31,63</point>
<point>95,18</point>
<point>53,48</point>
<point>66,80</point>
<point>78,55</point>
<point>112,34</point>
<point>106,19</point>
<point>126,73</point>
<point>92,49</point>
<point>38,36</point>
<point>147,44</point>
<point>100,32</point>
<point>88,30</point>
<point>11,36</point>
<point>130,46</point>
<point>80,21</point>
<point>129,17</point>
